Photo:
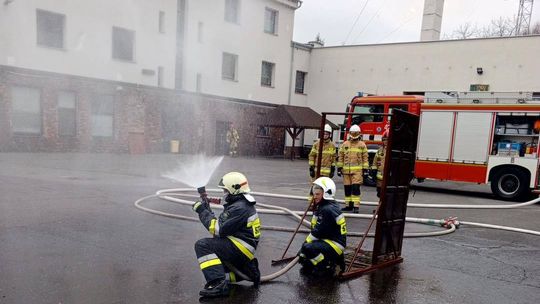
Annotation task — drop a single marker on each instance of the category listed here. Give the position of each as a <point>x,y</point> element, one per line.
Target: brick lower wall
<point>145,119</point>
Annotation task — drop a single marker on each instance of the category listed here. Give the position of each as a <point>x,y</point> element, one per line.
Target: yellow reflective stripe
<point>210,263</point>
<point>350,168</point>
<point>316,260</point>
<point>313,221</point>
<point>340,219</point>
<point>339,164</point>
<point>232,277</point>
<point>243,246</point>
<point>337,247</point>
<point>366,165</point>
<point>347,198</point>
<point>355,199</point>
<point>310,238</point>
<point>212,228</point>
<point>312,163</point>
<point>361,150</point>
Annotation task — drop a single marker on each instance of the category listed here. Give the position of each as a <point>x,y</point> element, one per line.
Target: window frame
<point>275,21</point>
<point>272,73</point>
<point>303,89</point>
<point>227,13</point>
<point>38,114</point>
<point>50,13</point>
<point>235,68</point>
<point>161,22</point>
<point>113,53</point>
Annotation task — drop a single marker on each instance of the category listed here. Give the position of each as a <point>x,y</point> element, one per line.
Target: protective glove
<point>339,171</point>
<point>365,173</point>
<point>311,171</point>
<point>199,206</point>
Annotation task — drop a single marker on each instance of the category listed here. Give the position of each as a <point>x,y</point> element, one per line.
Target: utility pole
<point>523,22</point>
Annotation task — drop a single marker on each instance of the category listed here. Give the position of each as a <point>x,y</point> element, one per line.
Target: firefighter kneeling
<point>324,246</point>
<point>235,237</point>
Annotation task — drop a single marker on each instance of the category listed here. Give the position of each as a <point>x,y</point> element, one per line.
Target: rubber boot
<point>348,208</point>
<point>253,272</point>
<point>356,209</point>
<point>215,289</point>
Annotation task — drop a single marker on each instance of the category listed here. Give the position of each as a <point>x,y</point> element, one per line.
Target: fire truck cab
<point>478,137</point>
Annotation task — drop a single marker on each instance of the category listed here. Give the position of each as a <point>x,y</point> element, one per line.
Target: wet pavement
<point>69,234</point>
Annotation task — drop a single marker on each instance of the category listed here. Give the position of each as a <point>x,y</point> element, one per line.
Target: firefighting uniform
<point>353,158</point>
<point>326,242</point>
<point>235,237</point>
<point>232,140</point>
<point>378,166</point>
<point>328,159</point>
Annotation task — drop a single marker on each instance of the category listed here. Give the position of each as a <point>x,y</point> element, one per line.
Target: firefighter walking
<point>232,139</point>
<point>235,235</point>
<point>353,165</point>
<point>324,246</point>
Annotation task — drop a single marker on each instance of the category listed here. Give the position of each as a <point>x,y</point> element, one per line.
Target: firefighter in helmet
<point>232,139</point>
<point>324,246</point>
<point>377,166</point>
<point>353,165</point>
<point>328,159</point>
<point>235,235</point>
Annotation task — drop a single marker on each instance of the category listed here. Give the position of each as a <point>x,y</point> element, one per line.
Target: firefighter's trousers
<point>212,253</point>
<point>319,254</point>
<point>351,185</point>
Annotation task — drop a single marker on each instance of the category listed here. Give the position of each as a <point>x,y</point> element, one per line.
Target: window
<point>103,116</point>
<point>26,113</point>
<point>263,131</point>
<point>199,83</point>
<point>50,29</point>
<point>161,21</point>
<point>160,75</point>
<point>367,109</point>
<point>122,44</point>
<point>267,73</point>
<point>231,10</point>
<point>200,32</point>
<point>300,80</point>
<point>270,21</point>
<point>67,119</point>
<point>229,67</point>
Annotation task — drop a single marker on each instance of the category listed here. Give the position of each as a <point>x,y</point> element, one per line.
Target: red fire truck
<point>478,137</point>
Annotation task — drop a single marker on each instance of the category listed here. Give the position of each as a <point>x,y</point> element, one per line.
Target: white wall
<point>246,39</point>
<point>87,38</point>
<point>337,73</point>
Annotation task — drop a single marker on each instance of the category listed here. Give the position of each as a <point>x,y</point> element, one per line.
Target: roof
<point>295,117</point>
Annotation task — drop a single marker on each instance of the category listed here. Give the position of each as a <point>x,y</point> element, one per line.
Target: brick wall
<point>145,118</point>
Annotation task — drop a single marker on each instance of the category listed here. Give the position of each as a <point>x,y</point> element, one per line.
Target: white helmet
<point>354,131</point>
<point>235,183</point>
<point>327,128</point>
<point>328,186</point>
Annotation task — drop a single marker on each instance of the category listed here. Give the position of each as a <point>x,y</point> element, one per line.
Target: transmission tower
<point>523,23</point>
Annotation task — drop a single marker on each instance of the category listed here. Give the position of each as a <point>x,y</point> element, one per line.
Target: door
<point>222,147</point>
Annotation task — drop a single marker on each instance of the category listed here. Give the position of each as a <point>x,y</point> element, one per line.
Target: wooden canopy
<point>295,119</point>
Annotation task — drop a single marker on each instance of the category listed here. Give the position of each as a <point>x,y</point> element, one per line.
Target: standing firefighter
<point>378,162</point>
<point>324,246</point>
<point>235,235</point>
<point>328,159</point>
<point>353,164</point>
<point>232,140</point>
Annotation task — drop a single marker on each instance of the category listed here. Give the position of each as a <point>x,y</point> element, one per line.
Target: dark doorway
<point>222,147</point>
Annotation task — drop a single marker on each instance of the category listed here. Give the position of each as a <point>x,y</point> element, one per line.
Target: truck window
<point>367,109</point>
<point>399,107</point>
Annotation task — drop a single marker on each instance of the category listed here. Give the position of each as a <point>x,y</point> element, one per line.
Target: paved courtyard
<point>69,233</point>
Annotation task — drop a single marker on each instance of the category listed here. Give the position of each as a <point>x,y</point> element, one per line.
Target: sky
<point>384,21</point>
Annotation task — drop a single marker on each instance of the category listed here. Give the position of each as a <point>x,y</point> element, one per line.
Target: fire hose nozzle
<point>215,200</point>
<point>201,190</point>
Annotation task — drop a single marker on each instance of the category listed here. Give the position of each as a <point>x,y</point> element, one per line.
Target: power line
<point>396,29</point>
<point>374,15</point>
<point>355,21</point>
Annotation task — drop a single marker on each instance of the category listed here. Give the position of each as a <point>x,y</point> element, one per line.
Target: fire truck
<point>477,137</point>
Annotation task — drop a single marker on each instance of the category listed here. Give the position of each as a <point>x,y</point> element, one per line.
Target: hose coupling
<point>449,221</point>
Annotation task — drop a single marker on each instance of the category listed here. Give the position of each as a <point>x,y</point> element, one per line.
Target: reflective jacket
<point>233,137</point>
<point>328,156</point>
<point>328,225</point>
<point>239,222</point>
<point>353,156</point>
<point>378,164</point>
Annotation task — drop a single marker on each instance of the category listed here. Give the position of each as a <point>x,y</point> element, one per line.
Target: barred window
<point>270,21</point>
<point>229,67</point>
<point>267,73</point>
<point>300,81</point>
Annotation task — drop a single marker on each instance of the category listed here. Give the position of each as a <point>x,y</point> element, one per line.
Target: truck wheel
<point>511,184</point>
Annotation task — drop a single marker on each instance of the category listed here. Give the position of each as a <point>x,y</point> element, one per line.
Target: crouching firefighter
<point>324,246</point>
<point>235,235</point>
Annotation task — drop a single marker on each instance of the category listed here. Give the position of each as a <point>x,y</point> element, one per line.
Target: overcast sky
<point>385,21</point>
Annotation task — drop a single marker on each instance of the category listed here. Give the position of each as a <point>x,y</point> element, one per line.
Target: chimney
<point>432,19</point>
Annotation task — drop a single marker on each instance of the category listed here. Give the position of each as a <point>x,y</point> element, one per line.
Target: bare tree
<point>501,27</point>
<point>535,29</point>
<point>465,31</point>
